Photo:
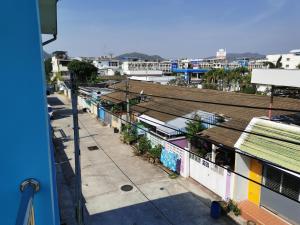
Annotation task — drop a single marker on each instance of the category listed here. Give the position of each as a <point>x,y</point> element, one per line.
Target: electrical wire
<point>209,102</point>
<point>223,146</point>
<point>123,172</point>
<point>195,154</point>
<point>214,124</point>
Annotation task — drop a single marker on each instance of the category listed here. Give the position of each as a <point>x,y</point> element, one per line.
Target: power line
<point>195,154</point>
<point>223,146</point>
<point>230,149</point>
<point>214,124</point>
<point>123,172</point>
<point>212,103</point>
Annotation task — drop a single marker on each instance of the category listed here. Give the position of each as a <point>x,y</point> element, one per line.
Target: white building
<point>221,54</point>
<point>106,66</point>
<point>60,61</point>
<point>154,79</point>
<point>141,68</point>
<point>289,61</point>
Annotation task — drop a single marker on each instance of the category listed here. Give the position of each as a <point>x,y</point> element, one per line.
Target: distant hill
<point>140,56</point>
<point>234,56</point>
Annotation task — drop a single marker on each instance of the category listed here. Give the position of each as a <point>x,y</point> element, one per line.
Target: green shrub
<point>129,134</point>
<point>156,151</point>
<point>249,90</point>
<point>144,145</point>
<point>233,206</point>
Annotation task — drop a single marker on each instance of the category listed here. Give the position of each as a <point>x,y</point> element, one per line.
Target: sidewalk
<point>155,199</point>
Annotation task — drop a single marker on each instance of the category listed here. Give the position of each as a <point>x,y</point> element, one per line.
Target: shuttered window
<point>291,186</point>
<point>282,182</point>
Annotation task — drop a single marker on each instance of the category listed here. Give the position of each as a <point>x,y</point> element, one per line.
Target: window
<point>282,182</point>
<point>291,186</point>
<point>273,178</point>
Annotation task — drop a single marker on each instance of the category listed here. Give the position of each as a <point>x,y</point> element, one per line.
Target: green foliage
<point>144,145</point>
<point>233,206</point>
<point>179,81</point>
<point>249,90</point>
<point>134,101</point>
<point>48,68</point>
<point>156,151</point>
<point>129,134</point>
<point>85,71</point>
<point>116,108</point>
<point>193,127</point>
<point>202,152</point>
<point>117,73</point>
<point>173,175</point>
<point>218,79</point>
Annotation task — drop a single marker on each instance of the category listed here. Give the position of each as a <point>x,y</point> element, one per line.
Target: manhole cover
<point>92,148</point>
<point>126,187</point>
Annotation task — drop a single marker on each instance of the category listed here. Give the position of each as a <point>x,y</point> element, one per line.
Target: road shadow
<point>54,101</point>
<point>61,113</point>
<point>181,209</point>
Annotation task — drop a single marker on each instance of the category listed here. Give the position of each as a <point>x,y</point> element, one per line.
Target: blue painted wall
<point>170,160</point>
<point>25,140</point>
<point>101,113</point>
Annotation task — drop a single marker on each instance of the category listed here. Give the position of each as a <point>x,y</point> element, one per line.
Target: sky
<point>176,28</point>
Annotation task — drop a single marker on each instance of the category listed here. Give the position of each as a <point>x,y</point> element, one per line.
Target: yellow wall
<point>256,175</point>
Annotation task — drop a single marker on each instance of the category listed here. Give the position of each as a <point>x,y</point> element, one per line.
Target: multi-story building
<point>106,66</point>
<point>60,61</point>
<point>142,68</point>
<point>289,60</point>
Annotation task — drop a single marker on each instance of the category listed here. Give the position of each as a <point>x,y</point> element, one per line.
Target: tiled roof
<point>238,117</point>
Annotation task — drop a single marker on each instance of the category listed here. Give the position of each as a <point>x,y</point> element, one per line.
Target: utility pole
<point>78,191</point>
<point>127,101</point>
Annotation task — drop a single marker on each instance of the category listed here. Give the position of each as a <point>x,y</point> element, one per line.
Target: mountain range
<point>141,56</point>
<point>230,56</point>
<point>234,56</point>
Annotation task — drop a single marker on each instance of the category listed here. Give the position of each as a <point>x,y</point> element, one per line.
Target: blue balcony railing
<point>25,214</point>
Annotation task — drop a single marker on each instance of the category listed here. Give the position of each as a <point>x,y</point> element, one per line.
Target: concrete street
<point>155,198</point>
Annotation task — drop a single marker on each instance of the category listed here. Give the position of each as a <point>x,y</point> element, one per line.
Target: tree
<point>144,145</point>
<point>85,71</point>
<point>193,127</point>
<point>48,68</point>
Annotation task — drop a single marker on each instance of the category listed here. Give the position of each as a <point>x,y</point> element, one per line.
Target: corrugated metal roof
<point>237,117</point>
<point>281,153</point>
